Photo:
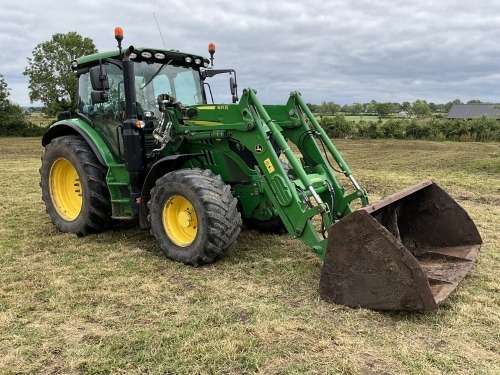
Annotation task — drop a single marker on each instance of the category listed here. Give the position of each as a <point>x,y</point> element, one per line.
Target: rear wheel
<point>272,226</point>
<point>73,187</point>
<point>193,216</point>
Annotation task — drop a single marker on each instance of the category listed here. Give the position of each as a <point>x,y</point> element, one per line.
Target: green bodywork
<point>272,134</point>
<point>277,159</point>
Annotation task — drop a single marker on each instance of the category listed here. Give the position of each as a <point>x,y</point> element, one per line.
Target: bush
<point>394,128</point>
<point>13,122</point>
<point>484,129</point>
<point>361,129</point>
<point>337,126</point>
<point>434,129</point>
<point>373,130</point>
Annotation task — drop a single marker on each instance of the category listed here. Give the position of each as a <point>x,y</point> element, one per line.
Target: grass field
<point>367,118</point>
<point>112,304</point>
<point>39,119</point>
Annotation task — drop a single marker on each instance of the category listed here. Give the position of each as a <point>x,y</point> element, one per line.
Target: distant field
<point>369,118</point>
<point>39,119</point>
<point>112,304</point>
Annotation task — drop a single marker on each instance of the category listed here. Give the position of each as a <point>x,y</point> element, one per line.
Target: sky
<point>344,51</point>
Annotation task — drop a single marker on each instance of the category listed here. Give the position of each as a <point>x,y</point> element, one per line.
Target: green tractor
<point>146,142</point>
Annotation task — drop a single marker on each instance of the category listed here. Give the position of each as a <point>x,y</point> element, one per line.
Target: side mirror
<point>233,86</point>
<point>99,97</point>
<point>99,82</point>
<point>99,78</point>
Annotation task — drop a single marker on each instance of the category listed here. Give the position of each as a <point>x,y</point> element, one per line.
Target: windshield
<point>155,79</point>
<point>151,80</point>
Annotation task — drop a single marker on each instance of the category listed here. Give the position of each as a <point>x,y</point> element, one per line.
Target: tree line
<point>13,122</point>
<point>419,108</point>
<point>53,83</point>
<point>427,128</point>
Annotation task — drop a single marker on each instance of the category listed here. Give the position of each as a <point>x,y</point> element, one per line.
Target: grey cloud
<point>342,51</point>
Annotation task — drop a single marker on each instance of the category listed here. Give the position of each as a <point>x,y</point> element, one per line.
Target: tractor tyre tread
<point>219,212</point>
<point>95,216</point>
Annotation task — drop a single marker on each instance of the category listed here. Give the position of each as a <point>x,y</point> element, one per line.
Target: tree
<point>421,108</point>
<point>448,105</point>
<point>312,107</point>
<point>12,121</point>
<point>383,109</point>
<point>4,90</point>
<point>51,80</point>
<point>406,106</point>
<point>357,108</point>
<point>329,108</point>
<point>370,107</point>
<point>346,108</point>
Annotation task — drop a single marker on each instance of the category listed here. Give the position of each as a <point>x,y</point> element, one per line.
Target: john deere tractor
<point>146,142</point>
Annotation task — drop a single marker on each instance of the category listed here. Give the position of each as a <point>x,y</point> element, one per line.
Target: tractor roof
<point>145,54</point>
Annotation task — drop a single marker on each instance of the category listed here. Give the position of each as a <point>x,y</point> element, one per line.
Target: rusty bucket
<point>407,252</point>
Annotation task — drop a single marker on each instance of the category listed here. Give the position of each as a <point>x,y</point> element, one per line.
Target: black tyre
<point>272,226</point>
<point>74,187</point>
<point>193,216</point>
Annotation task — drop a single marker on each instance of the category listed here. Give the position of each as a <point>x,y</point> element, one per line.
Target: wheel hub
<point>184,219</point>
<point>65,189</point>
<point>180,221</point>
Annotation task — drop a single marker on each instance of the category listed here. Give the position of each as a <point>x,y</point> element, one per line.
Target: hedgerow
<point>14,124</point>
<point>481,129</point>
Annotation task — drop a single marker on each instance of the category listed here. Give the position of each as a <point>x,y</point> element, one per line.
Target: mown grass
<point>39,119</point>
<point>112,304</point>
<point>367,118</point>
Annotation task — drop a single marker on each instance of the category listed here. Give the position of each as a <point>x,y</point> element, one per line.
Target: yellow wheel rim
<point>180,221</point>
<point>65,189</point>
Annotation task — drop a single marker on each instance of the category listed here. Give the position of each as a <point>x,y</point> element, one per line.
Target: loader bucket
<point>407,252</point>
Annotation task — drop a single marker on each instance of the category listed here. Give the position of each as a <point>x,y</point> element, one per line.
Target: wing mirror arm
<point>233,86</point>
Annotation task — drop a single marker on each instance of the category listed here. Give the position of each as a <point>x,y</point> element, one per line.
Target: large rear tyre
<point>74,187</point>
<point>272,226</point>
<point>193,216</point>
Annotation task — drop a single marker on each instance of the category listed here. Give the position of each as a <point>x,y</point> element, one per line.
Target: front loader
<point>146,142</point>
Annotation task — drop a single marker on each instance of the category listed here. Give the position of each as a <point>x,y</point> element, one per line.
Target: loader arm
<point>382,256</point>
<point>312,200</point>
<point>321,194</point>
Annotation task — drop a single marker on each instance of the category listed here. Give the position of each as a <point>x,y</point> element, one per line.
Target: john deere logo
<point>259,149</point>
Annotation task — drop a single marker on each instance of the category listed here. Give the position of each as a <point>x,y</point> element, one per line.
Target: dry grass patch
<point>112,304</point>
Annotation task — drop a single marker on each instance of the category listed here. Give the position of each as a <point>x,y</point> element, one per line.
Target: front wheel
<point>193,216</point>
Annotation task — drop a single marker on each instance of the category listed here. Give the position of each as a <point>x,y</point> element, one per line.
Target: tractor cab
<point>102,95</point>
